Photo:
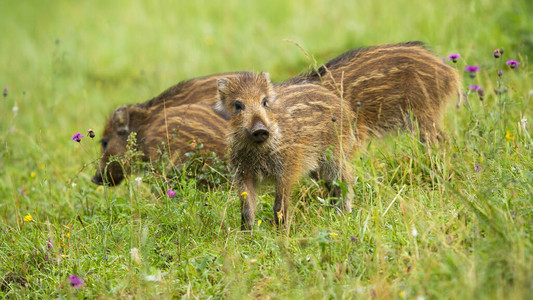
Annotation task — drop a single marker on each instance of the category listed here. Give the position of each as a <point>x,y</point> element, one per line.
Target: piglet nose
<point>97,179</point>
<point>260,133</point>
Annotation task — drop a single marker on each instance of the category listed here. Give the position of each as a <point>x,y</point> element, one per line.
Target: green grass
<point>425,222</point>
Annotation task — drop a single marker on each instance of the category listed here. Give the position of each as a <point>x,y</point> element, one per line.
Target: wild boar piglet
<point>175,126</point>
<point>392,87</point>
<point>281,133</point>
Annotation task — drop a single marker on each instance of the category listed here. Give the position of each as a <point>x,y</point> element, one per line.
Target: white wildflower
<point>414,232</point>
<point>135,255</point>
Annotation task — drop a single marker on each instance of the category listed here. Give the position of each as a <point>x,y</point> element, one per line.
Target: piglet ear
<point>221,111</point>
<point>269,86</point>
<point>121,120</point>
<point>222,85</point>
<point>219,107</point>
<point>266,76</point>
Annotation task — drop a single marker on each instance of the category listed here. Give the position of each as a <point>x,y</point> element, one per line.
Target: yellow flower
<point>402,294</point>
<point>259,222</point>
<point>68,235</point>
<point>509,136</point>
<point>28,218</point>
<point>244,194</point>
<point>333,234</point>
<point>32,174</point>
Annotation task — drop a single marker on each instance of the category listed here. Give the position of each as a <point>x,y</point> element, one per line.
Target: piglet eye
<point>265,102</point>
<point>238,105</point>
<point>104,143</point>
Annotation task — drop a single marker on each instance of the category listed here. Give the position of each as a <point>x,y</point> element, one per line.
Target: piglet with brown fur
<point>282,133</point>
<point>175,126</point>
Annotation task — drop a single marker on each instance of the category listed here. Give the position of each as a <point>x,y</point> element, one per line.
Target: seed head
<point>91,133</point>
<point>500,91</point>
<point>478,89</point>
<point>481,93</point>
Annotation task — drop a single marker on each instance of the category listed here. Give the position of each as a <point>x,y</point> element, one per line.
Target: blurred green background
<point>68,63</point>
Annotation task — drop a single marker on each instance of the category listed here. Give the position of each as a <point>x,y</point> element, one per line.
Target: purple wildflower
<point>477,168</point>
<point>500,73</point>
<point>512,63</point>
<point>77,137</point>
<point>473,87</point>
<point>5,92</point>
<point>472,70</point>
<point>454,57</point>
<point>171,193</point>
<point>75,281</point>
<point>497,53</point>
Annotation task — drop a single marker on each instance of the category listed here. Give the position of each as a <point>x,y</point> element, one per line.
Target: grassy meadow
<point>449,221</point>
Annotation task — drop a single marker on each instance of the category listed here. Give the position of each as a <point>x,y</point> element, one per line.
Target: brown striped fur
<point>202,90</point>
<point>196,90</point>
<point>309,131</point>
<point>387,83</point>
<point>175,126</point>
